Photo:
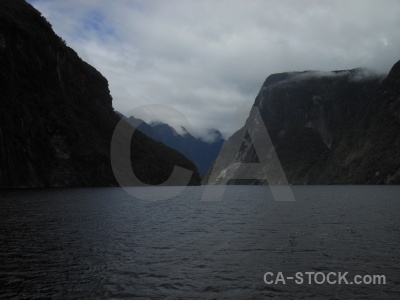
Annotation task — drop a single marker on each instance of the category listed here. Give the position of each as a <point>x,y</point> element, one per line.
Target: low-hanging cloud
<point>353,75</point>
<point>206,58</point>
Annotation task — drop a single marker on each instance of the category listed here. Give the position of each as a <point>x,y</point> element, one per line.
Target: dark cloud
<point>206,58</point>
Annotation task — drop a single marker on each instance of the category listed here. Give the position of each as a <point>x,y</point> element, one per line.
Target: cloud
<point>206,58</point>
<point>357,74</point>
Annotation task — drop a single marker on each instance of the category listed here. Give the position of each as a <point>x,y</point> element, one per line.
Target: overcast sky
<point>207,58</point>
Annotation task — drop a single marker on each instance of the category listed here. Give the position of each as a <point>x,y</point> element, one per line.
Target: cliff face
<point>370,150</point>
<point>56,117</point>
<point>326,127</point>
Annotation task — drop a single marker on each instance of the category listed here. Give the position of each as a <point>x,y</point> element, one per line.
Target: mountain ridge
<point>200,152</point>
<point>315,124</point>
<point>57,119</point>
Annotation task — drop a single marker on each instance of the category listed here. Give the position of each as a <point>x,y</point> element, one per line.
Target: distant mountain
<point>56,116</point>
<point>201,153</point>
<point>337,127</point>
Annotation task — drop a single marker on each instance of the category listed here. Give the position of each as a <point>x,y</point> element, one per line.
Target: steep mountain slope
<point>374,153</point>
<point>56,117</point>
<point>326,127</point>
<point>201,153</point>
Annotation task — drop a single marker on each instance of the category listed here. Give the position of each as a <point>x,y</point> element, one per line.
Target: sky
<point>208,59</point>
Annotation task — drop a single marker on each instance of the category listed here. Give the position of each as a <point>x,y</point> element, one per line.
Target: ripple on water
<point>103,243</point>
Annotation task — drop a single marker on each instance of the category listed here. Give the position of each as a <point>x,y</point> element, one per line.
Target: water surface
<point>104,243</point>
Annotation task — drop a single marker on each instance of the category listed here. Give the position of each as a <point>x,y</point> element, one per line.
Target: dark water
<point>103,243</point>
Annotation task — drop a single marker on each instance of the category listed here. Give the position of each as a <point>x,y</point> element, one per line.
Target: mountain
<point>200,152</point>
<point>56,117</point>
<point>336,127</point>
<point>374,155</point>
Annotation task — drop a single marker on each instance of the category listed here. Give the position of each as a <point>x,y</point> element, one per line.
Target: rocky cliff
<point>326,127</point>
<point>56,117</point>
<point>370,151</point>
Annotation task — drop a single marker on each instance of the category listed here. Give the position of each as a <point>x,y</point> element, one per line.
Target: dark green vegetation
<point>56,116</point>
<point>337,127</point>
